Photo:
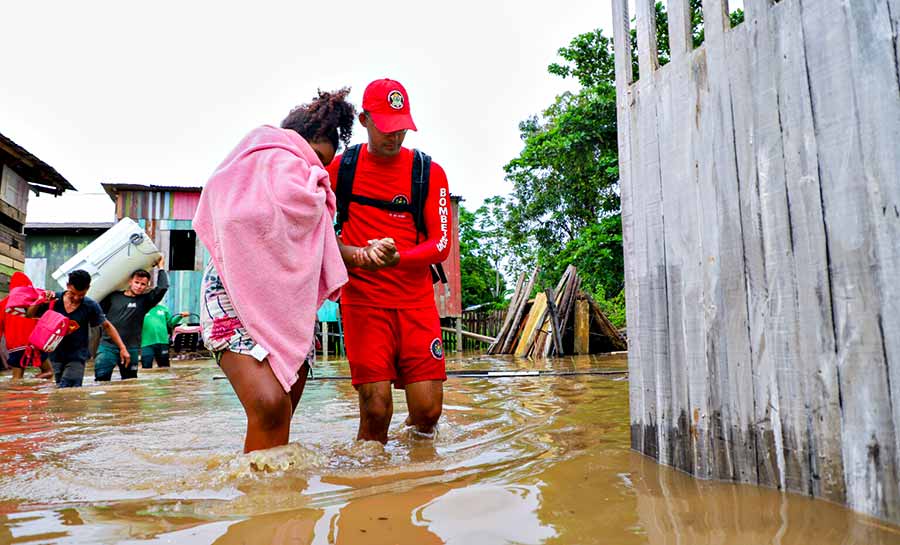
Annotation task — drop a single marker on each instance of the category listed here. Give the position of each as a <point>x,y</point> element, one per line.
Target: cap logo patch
<point>437,349</point>
<point>395,99</point>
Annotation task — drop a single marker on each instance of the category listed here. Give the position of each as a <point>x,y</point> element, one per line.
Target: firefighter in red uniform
<point>391,325</point>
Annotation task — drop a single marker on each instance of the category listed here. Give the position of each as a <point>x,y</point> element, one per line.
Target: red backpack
<point>21,298</point>
<point>48,333</point>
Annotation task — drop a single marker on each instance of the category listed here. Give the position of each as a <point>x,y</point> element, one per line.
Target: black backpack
<point>421,174</point>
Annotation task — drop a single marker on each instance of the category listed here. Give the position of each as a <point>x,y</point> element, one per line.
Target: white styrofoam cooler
<point>111,258</point>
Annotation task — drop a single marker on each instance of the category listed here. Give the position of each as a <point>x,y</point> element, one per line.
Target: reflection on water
<point>517,460</point>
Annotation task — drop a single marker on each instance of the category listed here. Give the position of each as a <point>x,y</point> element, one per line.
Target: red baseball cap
<point>388,105</point>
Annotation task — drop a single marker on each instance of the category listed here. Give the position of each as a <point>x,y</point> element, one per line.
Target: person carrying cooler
<point>266,217</point>
<point>158,325</point>
<point>69,358</point>
<point>126,310</point>
<point>391,326</point>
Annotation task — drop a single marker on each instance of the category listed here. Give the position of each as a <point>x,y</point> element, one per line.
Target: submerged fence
<point>483,322</point>
<point>760,178</point>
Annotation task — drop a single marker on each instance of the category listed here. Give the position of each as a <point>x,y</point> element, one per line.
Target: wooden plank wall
<point>760,179</point>
<point>176,205</point>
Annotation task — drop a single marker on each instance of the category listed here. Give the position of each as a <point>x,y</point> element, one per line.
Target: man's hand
<point>184,314</point>
<point>126,357</point>
<point>49,296</point>
<point>378,254</point>
<point>160,263</point>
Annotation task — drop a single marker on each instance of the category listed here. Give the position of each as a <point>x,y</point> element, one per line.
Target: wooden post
<point>554,319</point>
<point>459,336</point>
<point>324,340</point>
<point>582,326</point>
<point>535,317</point>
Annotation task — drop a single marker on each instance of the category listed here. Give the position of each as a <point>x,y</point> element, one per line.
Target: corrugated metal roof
<point>41,177</point>
<point>68,226</point>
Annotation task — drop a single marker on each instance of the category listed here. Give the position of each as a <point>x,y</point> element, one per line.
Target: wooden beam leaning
<point>681,41</point>
<point>532,323</point>
<point>510,312</point>
<point>648,57</point>
<point>582,326</point>
<point>555,334</point>
<point>517,317</point>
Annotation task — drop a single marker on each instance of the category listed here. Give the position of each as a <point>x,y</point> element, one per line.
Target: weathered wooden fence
<point>483,322</point>
<point>760,178</point>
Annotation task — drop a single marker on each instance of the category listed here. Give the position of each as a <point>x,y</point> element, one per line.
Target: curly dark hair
<point>329,115</point>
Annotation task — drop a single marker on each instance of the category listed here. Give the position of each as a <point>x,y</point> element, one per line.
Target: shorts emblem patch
<point>437,349</point>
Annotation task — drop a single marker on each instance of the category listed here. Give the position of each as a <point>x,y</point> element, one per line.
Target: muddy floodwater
<point>521,460</point>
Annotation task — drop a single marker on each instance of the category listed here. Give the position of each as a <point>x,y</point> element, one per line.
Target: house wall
<point>13,203</point>
<point>160,213</point>
<point>48,251</point>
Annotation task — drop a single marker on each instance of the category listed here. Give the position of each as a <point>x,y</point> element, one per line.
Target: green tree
<point>564,208</point>
<point>479,258</point>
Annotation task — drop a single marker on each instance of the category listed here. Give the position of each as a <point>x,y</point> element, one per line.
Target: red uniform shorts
<point>401,345</point>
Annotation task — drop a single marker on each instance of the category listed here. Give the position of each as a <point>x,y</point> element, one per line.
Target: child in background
<point>158,326</point>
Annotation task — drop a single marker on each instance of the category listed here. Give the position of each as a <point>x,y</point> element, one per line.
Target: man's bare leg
<point>375,411</point>
<point>425,401</point>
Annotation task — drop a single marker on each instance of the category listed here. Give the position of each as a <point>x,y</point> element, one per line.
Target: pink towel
<point>266,217</point>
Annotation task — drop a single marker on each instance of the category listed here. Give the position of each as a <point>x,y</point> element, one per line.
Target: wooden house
<point>49,245</point>
<point>20,172</point>
<point>166,213</point>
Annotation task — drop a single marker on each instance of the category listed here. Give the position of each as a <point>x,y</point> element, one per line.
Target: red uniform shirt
<point>407,285</point>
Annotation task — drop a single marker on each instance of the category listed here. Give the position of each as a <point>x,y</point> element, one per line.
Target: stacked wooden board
<point>555,322</point>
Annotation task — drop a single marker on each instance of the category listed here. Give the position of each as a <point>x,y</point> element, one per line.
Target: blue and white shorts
<point>222,329</point>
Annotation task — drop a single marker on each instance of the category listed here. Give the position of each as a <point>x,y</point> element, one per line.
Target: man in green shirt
<point>158,326</point>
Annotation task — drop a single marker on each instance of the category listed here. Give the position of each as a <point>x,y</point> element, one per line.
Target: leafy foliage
<point>482,283</point>
<point>564,208</point>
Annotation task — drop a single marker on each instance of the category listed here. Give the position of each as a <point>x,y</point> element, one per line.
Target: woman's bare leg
<point>269,408</point>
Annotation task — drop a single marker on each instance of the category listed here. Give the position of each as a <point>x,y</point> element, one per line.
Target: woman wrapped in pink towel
<point>266,217</point>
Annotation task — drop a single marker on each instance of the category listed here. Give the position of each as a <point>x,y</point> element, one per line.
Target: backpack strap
<point>421,174</point>
<point>383,205</point>
<point>346,173</point>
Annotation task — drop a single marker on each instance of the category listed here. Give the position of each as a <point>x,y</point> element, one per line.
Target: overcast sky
<point>159,92</point>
